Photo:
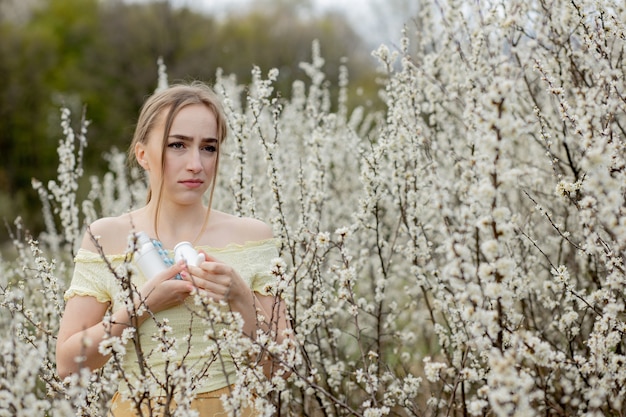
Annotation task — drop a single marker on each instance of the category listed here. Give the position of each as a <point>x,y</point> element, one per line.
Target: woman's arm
<point>81,331</point>
<point>220,282</point>
<point>82,327</point>
<point>273,309</point>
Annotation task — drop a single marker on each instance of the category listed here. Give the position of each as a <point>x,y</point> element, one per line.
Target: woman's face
<point>190,155</point>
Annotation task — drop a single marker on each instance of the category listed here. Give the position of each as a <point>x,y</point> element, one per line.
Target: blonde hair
<point>171,100</point>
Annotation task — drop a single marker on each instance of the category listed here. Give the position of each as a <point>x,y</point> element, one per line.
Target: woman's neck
<point>176,223</point>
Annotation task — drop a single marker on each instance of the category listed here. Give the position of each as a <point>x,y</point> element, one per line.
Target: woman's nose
<point>194,163</point>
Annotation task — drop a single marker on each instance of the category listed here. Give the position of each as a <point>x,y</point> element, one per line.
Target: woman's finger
<point>216,284</point>
<point>209,295</point>
<point>170,272</point>
<point>212,271</point>
<point>207,257</point>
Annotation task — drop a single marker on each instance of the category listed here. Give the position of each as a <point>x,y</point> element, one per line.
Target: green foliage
<point>101,56</point>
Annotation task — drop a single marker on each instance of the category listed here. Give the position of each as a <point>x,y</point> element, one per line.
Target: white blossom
<point>471,233</point>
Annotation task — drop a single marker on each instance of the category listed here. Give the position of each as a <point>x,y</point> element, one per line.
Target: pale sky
<point>378,21</point>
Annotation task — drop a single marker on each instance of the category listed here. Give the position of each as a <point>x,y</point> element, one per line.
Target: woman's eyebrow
<point>189,138</point>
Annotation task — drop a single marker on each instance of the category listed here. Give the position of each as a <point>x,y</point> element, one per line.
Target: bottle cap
<point>143,238</point>
<point>185,250</point>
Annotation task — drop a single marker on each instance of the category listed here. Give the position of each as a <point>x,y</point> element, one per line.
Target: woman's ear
<point>140,155</point>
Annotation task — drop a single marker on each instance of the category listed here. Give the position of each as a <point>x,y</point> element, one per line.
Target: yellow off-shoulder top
<point>92,277</point>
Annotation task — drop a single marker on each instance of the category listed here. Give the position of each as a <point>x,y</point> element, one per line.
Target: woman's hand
<point>81,330</point>
<point>219,282</point>
<point>163,291</point>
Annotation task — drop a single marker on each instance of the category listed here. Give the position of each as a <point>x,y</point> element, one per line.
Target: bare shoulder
<point>240,230</point>
<point>253,229</point>
<point>109,233</point>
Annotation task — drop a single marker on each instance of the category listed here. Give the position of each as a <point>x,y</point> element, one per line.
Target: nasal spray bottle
<point>148,258</point>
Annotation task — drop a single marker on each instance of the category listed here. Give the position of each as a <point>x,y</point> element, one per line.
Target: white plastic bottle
<point>185,250</point>
<point>147,257</point>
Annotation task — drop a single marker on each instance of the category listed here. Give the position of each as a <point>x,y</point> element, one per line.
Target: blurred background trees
<point>99,57</point>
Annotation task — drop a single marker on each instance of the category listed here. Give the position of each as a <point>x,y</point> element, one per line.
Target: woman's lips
<point>191,183</point>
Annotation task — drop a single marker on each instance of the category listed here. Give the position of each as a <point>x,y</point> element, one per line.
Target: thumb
<point>207,257</point>
<point>170,272</point>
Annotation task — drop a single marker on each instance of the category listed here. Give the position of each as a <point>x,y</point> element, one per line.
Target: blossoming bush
<point>460,253</point>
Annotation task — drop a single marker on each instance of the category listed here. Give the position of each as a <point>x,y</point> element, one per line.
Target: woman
<point>177,141</point>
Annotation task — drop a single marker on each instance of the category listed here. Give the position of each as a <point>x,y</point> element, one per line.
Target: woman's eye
<point>210,148</point>
<point>176,145</point>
